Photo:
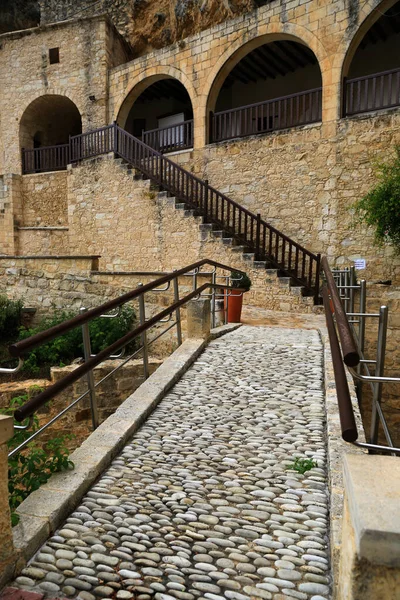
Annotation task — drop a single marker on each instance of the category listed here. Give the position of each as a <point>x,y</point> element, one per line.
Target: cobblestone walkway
<point>202,504</point>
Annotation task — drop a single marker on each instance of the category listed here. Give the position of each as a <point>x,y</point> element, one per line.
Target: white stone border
<point>45,509</point>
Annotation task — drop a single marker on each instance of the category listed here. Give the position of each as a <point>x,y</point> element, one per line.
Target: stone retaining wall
<point>77,421</point>
<point>44,199</point>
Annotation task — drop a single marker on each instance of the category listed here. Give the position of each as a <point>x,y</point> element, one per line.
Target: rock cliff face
<point>18,14</point>
<point>156,24</point>
<point>146,24</point>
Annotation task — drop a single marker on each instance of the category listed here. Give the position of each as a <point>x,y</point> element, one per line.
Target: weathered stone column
<point>198,319</point>
<point>370,551</point>
<point>7,553</point>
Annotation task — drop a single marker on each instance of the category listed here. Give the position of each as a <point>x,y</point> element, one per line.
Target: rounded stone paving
<point>203,502</point>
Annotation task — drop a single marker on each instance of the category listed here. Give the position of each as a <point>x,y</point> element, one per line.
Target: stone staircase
<point>285,292</point>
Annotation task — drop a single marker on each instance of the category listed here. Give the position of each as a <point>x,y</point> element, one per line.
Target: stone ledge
<point>219,331</point>
<point>47,256</point>
<point>44,228</point>
<point>337,449</point>
<point>373,493</point>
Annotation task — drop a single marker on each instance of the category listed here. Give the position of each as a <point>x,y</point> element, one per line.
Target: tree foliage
<point>380,208</point>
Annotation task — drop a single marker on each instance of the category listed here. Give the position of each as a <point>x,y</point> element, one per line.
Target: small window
<point>54,55</point>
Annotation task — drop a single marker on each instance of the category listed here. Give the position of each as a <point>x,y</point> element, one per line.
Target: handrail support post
<point>258,234</point>
<point>143,336</point>
<point>380,367</point>
<point>90,377</point>
<point>177,312</point>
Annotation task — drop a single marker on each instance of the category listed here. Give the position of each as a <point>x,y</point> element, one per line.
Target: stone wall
<point>81,76</point>
<point>305,184</point>
<point>44,199</point>
<point>152,234</point>
<point>109,394</point>
<point>42,240</point>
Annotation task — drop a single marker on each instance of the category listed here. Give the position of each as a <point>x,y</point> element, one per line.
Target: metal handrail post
<point>353,283</point>
<point>213,291</point>
<point>143,335</point>
<point>361,333</point>
<point>363,310</point>
<point>177,312</point>
<point>87,351</point>
<point>380,367</point>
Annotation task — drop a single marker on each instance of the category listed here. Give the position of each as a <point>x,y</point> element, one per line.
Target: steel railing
<point>268,243</point>
<point>372,92</point>
<point>170,139</point>
<point>215,288</point>
<point>280,113</point>
<point>339,297</point>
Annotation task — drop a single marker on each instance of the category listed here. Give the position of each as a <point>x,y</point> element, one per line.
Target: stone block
<point>372,486</point>
<point>198,319</point>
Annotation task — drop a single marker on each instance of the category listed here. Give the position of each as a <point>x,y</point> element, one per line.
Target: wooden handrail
<point>267,242</point>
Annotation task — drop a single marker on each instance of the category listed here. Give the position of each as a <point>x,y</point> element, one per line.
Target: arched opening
<point>160,112</point>
<point>273,86</point>
<point>372,67</point>
<point>44,133</point>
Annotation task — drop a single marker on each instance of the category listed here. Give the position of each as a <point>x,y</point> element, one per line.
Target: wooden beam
<point>260,60</point>
<point>291,54</point>
<point>272,61</point>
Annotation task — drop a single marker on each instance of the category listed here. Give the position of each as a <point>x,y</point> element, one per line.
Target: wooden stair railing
<point>249,229</point>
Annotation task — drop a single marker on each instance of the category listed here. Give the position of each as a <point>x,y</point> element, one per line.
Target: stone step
<point>285,281</point>
<point>272,274</point>
<point>218,233</point>
<point>238,249</point>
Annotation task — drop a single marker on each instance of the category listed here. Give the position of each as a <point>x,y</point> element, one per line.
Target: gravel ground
<point>203,502</point>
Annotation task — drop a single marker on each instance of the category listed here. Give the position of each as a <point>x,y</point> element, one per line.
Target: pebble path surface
<point>203,502</point>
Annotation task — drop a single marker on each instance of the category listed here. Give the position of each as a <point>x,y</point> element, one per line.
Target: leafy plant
<point>10,317</point>
<point>63,349</point>
<point>33,466</point>
<point>240,280</point>
<point>380,207</point>
<point>302,465</point>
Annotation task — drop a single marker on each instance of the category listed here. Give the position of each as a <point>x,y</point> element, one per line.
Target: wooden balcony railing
<point>271,115</point>
<point>372,92</point>
<point>48,158</point>
<point>170,139</point>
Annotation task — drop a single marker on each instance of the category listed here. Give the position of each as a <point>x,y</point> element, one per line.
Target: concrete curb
<point>45,509</point>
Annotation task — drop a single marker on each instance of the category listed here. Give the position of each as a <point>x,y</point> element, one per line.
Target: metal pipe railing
<point>346,413</point>
<point>83,319</point>
<point>19,348</point>
<point>345,291</point>
<point>351,355</point>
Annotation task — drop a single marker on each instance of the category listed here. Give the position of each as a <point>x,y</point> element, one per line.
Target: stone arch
<point>359,62</point>
<point>237,50</point>
<point>369,14</point>
<point>138,84</point>
<point>40,121</point>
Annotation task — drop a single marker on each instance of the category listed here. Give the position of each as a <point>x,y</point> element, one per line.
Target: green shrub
<point>63,349</point>
<point>380,207</point>
<point>33,466</point>
<point>240,280</point>
<point>10,318</point>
